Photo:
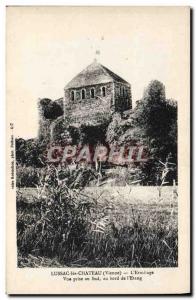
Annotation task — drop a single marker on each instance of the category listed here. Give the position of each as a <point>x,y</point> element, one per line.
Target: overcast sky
<point>47,47</point>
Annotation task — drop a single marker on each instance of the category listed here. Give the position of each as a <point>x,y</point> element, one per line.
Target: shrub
<point>27,176</point>
<point>31,152</point>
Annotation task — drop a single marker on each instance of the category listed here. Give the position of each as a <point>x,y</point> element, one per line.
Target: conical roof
<point>93,74</point>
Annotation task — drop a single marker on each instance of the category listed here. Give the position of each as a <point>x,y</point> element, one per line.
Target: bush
<point>31,152</point>
<point>27,176</point>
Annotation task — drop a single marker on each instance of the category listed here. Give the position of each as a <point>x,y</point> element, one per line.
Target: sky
<point>48,46</point>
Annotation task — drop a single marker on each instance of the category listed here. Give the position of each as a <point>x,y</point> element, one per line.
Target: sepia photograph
<point>98,186</point>
<point>97,116</point>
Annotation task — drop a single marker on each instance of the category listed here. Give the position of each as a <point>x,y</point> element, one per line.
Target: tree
<point>157,118</point>
<point>150,111</point>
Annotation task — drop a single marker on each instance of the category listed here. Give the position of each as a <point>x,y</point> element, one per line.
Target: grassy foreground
<point>96,227</point>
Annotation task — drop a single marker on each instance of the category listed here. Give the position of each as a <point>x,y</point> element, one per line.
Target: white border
<point>5,3</point>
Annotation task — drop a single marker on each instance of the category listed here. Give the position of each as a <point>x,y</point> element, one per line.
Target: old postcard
<point>98,150</point>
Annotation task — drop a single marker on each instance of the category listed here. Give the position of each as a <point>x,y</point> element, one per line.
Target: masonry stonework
<point>92,97</point>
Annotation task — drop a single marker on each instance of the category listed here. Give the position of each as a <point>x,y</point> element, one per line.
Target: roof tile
<point>93,74</point>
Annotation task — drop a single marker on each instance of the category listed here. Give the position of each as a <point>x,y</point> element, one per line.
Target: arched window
<point>123,91</point>
<point>83,94</point>
<point>103,91</point>
<point>72,95</point>
<point>92,93</point>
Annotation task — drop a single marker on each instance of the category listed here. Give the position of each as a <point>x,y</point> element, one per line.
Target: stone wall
<point>44,124</point>
<point>87,89</point>
<point>122,96</point>
<point>60,102</point>
<point>48,111</point>
<point>90,109</point>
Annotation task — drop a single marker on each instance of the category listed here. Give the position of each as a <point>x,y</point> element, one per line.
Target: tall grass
<point>65,227</point>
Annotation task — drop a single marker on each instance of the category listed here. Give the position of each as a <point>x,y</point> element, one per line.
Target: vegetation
<point>50,109</point>
<point>31,152</point>
<point>153,123</point>
<point>28,176</point>
<point>66,226</point>
<point>62,224</point>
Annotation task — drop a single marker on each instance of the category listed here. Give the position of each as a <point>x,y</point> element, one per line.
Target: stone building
<point>92,97</point>
<point>95,92</point>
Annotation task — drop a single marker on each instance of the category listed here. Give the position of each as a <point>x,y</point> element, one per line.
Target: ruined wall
<point>48,111</point>
<point>44,124</point>
<point>122,96</point>
<point>60,102</point>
